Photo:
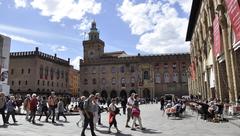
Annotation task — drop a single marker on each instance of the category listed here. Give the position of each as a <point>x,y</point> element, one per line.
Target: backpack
<point>117,111</point>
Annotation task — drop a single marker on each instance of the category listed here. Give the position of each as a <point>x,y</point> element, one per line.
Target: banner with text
<point>216,37</point>
<point>233,10</point>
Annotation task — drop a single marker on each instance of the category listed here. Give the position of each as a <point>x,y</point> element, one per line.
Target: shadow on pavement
<point>150,131</point>
<point>58,124</point>
<point>38,124</point>
<point>3,126</point>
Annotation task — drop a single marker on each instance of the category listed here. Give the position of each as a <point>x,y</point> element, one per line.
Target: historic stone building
<point>37,72</point>
<point>118,74</point>
<point>74,79</point>
<point>214,33</point>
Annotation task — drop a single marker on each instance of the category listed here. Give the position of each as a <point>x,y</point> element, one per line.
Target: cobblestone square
<point>154,121</point>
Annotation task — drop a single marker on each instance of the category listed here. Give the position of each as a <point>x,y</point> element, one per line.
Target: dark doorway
<point>146,93</point>
<point>113,94</point>
<point>123,94</point>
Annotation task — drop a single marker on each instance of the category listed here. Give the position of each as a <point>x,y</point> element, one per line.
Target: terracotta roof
<point>114,54</point>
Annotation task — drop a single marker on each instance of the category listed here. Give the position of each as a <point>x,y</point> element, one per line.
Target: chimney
<point>68,60</point>
<point>55,55</point>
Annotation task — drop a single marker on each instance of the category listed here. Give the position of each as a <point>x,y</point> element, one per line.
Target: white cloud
<point>22,39</point>
<point>158,24</point>
<point>20,3</point>
<point>84,25</point>
<point>75,62</point>
<point>30,32</point>
<point>58,48</point>
<point>72,9</point>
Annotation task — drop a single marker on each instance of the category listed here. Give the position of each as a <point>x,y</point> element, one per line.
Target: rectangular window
<point>26,82</point>
<point>19,82</point>
<point>38,82</point>
<point>12,82</point>
<point>22,71</point>
<point>43,83</point>
<point>29,71</point>
<point>12,71</point>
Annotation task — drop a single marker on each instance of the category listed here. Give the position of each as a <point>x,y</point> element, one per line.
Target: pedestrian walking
<point>95,112</point>
<point>3,107</point>
<point>61,109</point>
<point>136,114</point>
<point>113,111</point>
<point>130,103</point>
<point>81,112</point>
<point>33,108</point>
<point>52,104</point>
<point>11,105</point>
<point>88,115</point>
<point>26,106</point>
<point>44,108</point>
<point>124,105</point>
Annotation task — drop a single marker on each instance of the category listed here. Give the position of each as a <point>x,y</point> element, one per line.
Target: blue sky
<point>60,26</point>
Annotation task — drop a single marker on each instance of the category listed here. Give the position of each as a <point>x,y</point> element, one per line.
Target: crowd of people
<point>89,108</point>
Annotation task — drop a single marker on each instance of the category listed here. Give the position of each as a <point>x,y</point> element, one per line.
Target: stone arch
<point>86,93</point>
<point>113,94</point>
<point>123,94</point>
<point>94,92</point>
<point>146,93</point>
<point>104,94</point>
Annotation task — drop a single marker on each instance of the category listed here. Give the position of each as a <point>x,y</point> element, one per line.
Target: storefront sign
<point>217,37</point>
<point>233,10</point>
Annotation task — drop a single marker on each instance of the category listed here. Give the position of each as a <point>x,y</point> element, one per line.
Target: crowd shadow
<point>150,131</point>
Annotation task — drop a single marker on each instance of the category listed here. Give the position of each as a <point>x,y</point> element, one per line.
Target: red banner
<point>217,37</point>
<point>233,10</point>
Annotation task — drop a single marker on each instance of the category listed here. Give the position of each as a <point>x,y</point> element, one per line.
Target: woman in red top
<point>33,108</point>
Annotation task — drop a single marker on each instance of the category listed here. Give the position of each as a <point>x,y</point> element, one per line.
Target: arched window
<point>113,70</point>
<point>122,69</point>
<point>46,72</point>
<point>175,77</point>
<point>94,71</point>
<point>166,77</point>
<point>123,82</point>
<point>157,78</point>
<point>85,82</point>
<point>51,73</point>
<point>146,75</point>
<point>41,72</point>
<point>132,69</point>
<point>94,81</point>
<point>58,74</point>
<point>103,81</point>
<point>62,74</point>
<point>103,70</point>
<point>113,81</point>
<point>132,82</point>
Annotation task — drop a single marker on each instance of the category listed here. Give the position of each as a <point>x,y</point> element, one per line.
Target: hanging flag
<point>233,10</point>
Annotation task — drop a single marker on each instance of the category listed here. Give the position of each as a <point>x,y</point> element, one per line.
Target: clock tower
<point>93,47</point>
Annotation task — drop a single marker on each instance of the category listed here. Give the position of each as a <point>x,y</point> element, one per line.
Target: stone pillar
<point>223,23</point>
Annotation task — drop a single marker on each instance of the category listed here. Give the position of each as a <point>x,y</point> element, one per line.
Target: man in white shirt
<point>130,103</point>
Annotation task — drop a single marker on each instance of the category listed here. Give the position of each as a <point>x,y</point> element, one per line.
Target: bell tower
<point>93,47</point>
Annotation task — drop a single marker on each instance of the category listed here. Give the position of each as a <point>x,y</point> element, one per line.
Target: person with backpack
<point>113,111</point>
